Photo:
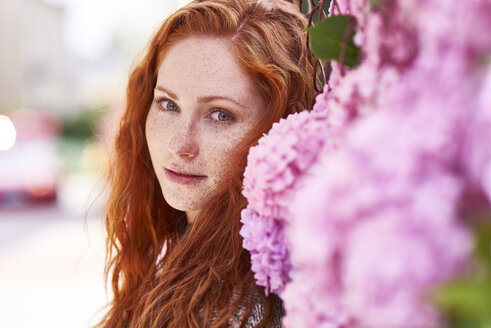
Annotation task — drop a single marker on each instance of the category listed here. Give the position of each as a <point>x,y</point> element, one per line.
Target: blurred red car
<point>30,170</point>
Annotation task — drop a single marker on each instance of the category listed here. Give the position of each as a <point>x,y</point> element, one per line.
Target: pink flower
<point>273,168</point>
<point>354,207</point>
<point>265,240</point>
<point>390,266</point>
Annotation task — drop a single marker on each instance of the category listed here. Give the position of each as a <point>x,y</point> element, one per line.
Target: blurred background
<point>63,71</point>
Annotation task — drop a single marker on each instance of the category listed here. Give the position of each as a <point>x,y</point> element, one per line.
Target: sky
<point>91,24</point>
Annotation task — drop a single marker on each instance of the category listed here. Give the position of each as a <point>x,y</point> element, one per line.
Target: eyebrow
<point>205,99</point>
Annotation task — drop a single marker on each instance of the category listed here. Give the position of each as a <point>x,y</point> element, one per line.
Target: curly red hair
<point>204,275</point>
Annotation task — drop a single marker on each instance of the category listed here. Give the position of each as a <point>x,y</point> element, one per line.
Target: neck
<point>191,216</point>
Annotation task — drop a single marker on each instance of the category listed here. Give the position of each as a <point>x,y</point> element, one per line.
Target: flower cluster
<point>354,207</point>
<point>280,157</point>
<point>264,238</point>
<point>373,225</point>
<point>269,180</point>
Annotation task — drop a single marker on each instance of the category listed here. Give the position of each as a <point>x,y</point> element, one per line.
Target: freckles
<point>190,201</point>
<point>219,155</point>
<point>158,129</point>
<point>151,124</point>
<point>184,200</point>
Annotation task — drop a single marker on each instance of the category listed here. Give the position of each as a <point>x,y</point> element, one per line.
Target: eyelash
<point>158,102</point>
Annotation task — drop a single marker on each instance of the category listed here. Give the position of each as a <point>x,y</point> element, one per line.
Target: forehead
<point>205,66</point>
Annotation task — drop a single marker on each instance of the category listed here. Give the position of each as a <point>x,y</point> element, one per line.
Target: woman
<point>215,77</point>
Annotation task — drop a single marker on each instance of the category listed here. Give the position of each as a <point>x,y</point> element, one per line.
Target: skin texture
<point>188,129</point>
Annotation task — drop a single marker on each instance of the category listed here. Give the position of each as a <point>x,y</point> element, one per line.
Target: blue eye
<point>222,116</point>
<point>166,105</point>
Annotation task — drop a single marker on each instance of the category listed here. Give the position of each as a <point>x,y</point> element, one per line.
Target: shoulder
<point>258,313</point>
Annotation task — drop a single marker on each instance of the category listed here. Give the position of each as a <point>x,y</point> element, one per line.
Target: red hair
<point>204,276</point>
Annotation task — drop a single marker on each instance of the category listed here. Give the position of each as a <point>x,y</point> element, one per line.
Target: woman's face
<point>204,106</point>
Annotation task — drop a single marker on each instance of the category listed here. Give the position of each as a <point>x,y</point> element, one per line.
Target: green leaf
<point>482,236</point>
<point>466,299</point>
<point>374,3</point>
<point>333,35</point>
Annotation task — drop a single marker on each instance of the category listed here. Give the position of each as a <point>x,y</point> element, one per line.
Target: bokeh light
<point>7,133</point>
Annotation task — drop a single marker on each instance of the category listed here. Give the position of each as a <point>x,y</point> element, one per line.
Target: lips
<point>182,177</point>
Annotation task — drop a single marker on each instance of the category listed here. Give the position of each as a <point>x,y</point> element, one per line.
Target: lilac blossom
<point>404,185</point>
<point>265,240</point>
<point>285,153</point>
<point>353,212</point>
<point>269,180</point>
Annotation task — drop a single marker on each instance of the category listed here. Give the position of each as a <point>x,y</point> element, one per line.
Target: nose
<point>184,143</point>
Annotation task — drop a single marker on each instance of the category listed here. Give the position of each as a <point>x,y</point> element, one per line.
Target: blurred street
<point>64,67</point>
<point>51,268</point>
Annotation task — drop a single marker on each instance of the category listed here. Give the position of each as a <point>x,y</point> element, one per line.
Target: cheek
<point>220,151</point>
<point>157,133</point>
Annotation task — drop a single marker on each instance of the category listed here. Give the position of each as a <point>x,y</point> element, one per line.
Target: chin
<point>180,207</point>
<point>181,203</point>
